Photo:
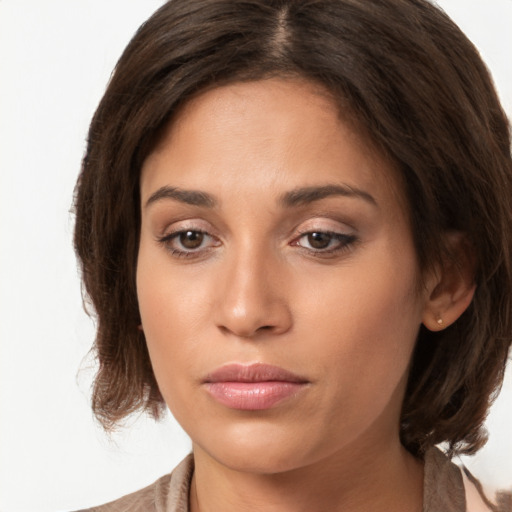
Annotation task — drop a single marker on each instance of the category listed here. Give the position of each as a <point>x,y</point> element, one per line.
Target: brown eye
<point>319,240</point>
<point>324,243</point>
<point>191,239</point>
<point>189,243</point>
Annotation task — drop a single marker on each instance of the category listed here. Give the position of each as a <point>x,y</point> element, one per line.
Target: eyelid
<point>169,238</point>
<point>342,237</point>
<point>186,224</point>
<point>325,224</point>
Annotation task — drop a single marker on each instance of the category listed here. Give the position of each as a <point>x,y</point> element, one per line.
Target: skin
<point>255,290</point>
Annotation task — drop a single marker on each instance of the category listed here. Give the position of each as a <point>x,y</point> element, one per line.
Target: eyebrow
<point>192,197</point>
<point>306,195</point>
<point>296,197</point>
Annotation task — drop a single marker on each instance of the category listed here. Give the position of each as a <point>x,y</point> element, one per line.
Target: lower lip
<point>253,396</point>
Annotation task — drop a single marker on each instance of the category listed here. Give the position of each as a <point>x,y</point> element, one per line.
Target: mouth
<point>253,387</point>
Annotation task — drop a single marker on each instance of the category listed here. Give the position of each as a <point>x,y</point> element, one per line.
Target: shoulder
<point>443,486</point>
<point>141,500</point>
<point>452,489</point>
<point>168,494</point>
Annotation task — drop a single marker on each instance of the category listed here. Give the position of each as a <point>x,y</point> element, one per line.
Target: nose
<point>251,298</point>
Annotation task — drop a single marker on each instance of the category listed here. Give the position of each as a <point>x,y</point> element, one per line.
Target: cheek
<point>367,319</point>
<point>169,321</point>
<point>169,297</point>
<point>356,322</point>
<point>171,311</point>
<point>365,334</point>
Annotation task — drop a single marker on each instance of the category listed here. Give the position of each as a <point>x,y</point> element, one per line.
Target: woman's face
<point>272,235</point>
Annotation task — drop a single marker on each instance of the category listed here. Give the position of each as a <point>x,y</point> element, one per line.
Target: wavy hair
<point>411,81</point>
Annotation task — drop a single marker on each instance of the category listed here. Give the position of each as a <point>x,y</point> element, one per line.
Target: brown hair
<point>417,88</point>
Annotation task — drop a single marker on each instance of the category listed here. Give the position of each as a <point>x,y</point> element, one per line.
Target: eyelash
<point>167,240</point>
<point>345,242</point>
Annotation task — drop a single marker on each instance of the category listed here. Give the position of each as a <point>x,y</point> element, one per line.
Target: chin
<point>258,461</point>
<point>260,449</point>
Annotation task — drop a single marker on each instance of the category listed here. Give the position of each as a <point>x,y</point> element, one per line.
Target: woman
<point>293,220</point>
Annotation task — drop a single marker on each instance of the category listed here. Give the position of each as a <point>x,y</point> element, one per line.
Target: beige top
<point>445,489</point>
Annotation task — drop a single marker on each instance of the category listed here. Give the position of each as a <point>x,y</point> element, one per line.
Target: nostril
<point>248,318</point>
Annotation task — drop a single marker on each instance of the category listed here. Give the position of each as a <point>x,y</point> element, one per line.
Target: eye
<point>190,239</point>
<point>319,240</point>
<point>324,241</point>
<point>188,242</point>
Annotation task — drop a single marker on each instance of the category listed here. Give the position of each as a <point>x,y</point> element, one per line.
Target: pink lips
<point>252,387</point>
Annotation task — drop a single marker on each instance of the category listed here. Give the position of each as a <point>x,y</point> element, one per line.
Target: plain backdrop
<point>55,60</point>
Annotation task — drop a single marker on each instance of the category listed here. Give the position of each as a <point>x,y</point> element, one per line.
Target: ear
<point>450,289</point>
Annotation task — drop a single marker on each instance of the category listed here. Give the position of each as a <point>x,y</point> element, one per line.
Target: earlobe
<point>451,289</point>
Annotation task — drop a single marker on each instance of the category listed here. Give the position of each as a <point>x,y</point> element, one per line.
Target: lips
<point>253,387</point>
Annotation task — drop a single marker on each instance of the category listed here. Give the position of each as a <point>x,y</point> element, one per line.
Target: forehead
<point>254,133</point>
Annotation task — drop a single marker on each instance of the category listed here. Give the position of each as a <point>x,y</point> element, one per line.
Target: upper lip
<point>255,372</point>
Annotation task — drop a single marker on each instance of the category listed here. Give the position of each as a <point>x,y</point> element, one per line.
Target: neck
<point>351,480</point>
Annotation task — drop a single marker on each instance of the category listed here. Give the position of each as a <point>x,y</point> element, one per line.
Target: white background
<point>55,59</point>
